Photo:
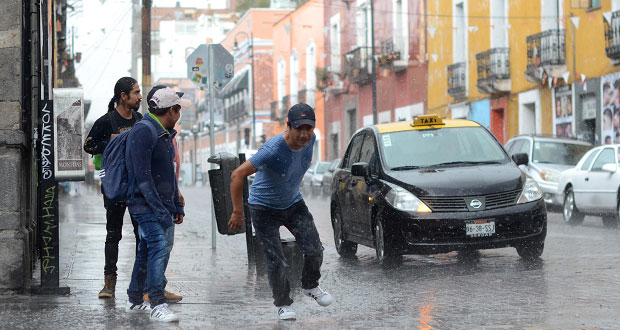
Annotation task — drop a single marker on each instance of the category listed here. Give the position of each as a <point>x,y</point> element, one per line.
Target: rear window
<point>427,148</point>
<point>561,153</point>
<point>322,168</point>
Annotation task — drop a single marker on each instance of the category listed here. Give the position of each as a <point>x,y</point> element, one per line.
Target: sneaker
<point>109,287</point>
<point>162,313</point>
<point>321,297</point>
<point>142,307</point>
<point>171,298</point>
<point>286,313</point>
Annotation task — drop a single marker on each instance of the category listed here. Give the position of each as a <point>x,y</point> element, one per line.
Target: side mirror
<point>360,169</point>
<point>520,159</point>
<point>611,168</point>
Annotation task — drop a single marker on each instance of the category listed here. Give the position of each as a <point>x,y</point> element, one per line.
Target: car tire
<point>530,250</point>
<point>344,248</point>
<point>386,253</point>
<point>570,214</point>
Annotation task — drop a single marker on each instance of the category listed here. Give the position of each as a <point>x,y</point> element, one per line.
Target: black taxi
<point>433,186</point>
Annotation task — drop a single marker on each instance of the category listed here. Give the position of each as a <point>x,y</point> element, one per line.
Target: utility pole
<point>253,88</point>
<point>136,30</point>
<point>372,60</point>
<point>146,49</point>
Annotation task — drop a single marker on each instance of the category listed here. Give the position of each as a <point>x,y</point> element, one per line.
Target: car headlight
<point>531,192</point>
<point>550,176</point>
<point>403,200</point>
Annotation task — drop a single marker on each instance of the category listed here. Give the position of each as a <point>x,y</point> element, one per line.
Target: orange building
<point>297,54</point>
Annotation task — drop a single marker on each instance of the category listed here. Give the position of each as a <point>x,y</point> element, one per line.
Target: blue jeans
<point>151,261</point>
<point>298,220</point>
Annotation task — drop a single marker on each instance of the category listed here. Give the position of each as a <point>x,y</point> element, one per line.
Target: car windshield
<point>322,167</point>
<point>454,146</point>
<point>550,152</point>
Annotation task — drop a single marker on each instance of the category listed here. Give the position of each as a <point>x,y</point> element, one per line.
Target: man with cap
<point>275,201</point>
<point>154,203</point>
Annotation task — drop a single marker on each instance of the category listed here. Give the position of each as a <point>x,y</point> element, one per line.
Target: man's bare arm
<point>236,193</point>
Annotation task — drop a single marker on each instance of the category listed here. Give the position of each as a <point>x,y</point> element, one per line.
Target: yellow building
<point>513,65</point>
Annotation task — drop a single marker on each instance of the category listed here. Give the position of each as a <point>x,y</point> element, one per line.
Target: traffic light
<point>246,136</point>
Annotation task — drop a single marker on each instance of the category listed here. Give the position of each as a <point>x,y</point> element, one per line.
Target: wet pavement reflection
<point>573,286</point>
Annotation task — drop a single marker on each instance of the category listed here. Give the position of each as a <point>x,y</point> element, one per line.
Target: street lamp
<point>195,131</point>
<point>251,37</point>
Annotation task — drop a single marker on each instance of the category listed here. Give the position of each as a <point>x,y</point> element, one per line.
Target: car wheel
<point>343,247</point>
<point>531,249</point>
<point>386,253</point>
<point>570,213</point>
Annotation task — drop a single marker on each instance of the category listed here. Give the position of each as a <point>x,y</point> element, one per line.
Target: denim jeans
<point>298,220</point>
<point>151,261</point>
<point>115,211</point>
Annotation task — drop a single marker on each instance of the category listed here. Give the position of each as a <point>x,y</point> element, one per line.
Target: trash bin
<point>292,253</point>
<point>219,180</point>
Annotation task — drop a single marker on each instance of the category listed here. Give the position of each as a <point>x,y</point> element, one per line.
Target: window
<point>334,37</point>
<point>281,81</point>
<point>594,4</point>
<point>605,157</point>
<point>499,22</point>
<point>353,153</point>
<point>294,79</point>
<point>460,32</point>
<point>368,153</point>
<point>310,73</point>
<point>400,23</point>
<point>588,162</point>
<point>525,148</point>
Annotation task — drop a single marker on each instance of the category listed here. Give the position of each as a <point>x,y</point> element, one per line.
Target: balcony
<point>390,57</point>
<point>457,80</point>
<point>546,55</point>
<point>274,110</point>
<point>307,96</point>
<point>494,71</point>
<point>612,37</point>
<point>357,65</point>
<point>302,96</point>
<point>284,106</point>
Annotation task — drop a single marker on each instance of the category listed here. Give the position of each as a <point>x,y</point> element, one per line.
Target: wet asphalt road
<point>573,286</point>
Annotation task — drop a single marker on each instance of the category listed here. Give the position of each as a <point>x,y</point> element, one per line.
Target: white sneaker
<point>321,297</point>
<point>286,313</point>
<point>162,313</point>
<point>132,308</point>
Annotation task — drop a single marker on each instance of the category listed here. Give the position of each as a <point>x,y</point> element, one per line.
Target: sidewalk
<point>219,289</point>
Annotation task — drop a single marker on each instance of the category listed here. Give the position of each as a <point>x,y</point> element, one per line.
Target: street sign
<point>198,64</point>
<point>223,66</point>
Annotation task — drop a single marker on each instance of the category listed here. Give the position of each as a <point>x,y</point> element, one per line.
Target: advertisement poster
<point>610,94</point>
<point>68,127</point>
<point>563,111</point>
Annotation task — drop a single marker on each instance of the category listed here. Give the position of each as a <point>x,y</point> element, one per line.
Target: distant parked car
<point>317,177</point>
<point>329,174</point>
<point>592,187</point>
<point>547,158</point>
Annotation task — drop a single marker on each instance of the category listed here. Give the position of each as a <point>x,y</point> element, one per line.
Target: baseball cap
<point>161,97</point>
<point>301,114</point>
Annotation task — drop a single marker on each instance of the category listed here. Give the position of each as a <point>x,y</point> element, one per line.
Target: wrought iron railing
<point>274,110</point>
<point>612,36</point>
<point>493,65</point>
<point>457,80</point>
<point>285,105</point>
<point>357,64</point>
<point>546,48</point>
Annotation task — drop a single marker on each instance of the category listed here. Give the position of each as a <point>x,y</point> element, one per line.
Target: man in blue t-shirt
<point>275,201</point>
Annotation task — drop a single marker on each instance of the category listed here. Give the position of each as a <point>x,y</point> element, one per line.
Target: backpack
<point>115,180</point>
<point>97,158</point>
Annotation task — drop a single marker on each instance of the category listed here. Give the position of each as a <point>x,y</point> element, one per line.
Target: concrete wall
<point>13,240</point>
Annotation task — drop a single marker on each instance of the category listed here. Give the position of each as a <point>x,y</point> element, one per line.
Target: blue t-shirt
<point>280,170</point>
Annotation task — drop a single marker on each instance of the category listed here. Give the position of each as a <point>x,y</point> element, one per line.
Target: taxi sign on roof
<point>427,120</point>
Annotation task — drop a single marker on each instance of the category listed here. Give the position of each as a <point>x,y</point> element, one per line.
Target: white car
<point>547,157</point>
<point>592,187</point>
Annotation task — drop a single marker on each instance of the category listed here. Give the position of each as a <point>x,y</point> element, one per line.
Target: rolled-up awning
<point>239,82</point>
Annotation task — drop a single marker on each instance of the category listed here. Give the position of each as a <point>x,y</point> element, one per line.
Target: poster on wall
<point>610,108</point>
<point>68,127</point>
<point>563,111</point>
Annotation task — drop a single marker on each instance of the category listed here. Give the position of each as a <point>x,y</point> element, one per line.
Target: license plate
<point>480,228</point>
